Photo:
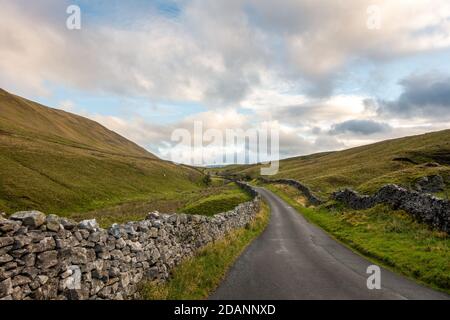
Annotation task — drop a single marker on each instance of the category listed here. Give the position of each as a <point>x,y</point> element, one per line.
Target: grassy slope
<point>391,238</point>
<point>366,168</point>
<point>197,277</point>
<point>61,163</point>
<point>228,198</point>
<point>204,201</point>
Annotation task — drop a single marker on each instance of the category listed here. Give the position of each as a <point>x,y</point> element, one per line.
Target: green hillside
<point>368,167</point>
<point>58,162</point>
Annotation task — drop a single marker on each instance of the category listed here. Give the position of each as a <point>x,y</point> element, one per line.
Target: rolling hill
<point>58,162</point>
<point>366,168</point>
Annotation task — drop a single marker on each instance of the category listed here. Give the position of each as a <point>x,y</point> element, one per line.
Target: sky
<point>328,75</point>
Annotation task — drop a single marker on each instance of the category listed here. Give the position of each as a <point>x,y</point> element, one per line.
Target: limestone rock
<point>42,279</point>
<point>90,224</point>
<point>153,215</point>
<point>68,224</point>
<point>53,223</point>
<point>6,241</point>
<point>120,243</point>
<point>4,258</point>
<point>47,259</point>
<point>46,244</point>
<point>33,219</point>
<point>20,280</point>
<point>77,255</point>
<point>6,288</point>
<point>153,233</point>
<point>10,226</point>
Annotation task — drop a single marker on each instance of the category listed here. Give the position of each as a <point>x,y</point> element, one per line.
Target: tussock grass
<point>199,276</point>
<point>389,237</point>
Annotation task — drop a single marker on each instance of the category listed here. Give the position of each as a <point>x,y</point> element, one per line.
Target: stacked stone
<point>50,257</point>
<point>424,207</point>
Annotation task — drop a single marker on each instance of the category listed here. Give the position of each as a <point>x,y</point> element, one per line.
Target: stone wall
<point>424,207</point>
<point>314,200</point>
<point>49,257</point>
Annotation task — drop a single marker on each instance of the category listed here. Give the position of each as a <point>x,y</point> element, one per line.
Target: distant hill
<point>59,162</point>
<point>368,167</point>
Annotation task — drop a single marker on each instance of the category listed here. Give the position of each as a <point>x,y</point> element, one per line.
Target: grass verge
<point>388,237</point>
<point>198,276</point>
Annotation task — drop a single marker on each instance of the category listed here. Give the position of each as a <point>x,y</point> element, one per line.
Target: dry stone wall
<point>424,207</point>
<point>49,257</point>
<point>314,200</point>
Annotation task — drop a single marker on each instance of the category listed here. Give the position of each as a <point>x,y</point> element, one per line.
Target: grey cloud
<point>312,112</point>
<point>425,95</point>
<point>316,130</point>
<point>309,111</point>
<point>295,113</point>
<point>363,127</point>
<point>231,88</point>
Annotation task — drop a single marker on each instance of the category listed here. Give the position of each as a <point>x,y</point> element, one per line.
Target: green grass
<point>61,163</point>
<point>227,199</point>
<point>217,182</point>
<point>197,277</point>
<point>138,209</point>
<point>390,238</point>
<point>365,168</point>
<point>171,202</point>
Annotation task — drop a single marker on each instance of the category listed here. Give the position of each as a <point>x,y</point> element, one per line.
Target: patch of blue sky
<point>161,112</point>
<point>165,112</point>
<point>170,9</point>
<point>80,100</point>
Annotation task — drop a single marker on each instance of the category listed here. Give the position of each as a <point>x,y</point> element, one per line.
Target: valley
<point>96,185</point>
<point>64,164</point>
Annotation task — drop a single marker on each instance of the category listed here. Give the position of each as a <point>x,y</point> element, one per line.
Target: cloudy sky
<point>329,74</point>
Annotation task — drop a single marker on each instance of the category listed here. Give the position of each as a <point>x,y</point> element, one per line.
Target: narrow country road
<point>293,259</point>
